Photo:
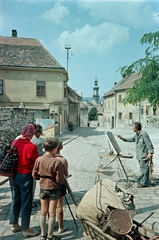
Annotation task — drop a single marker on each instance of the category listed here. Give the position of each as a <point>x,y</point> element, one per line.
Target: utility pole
<point>67,47</point>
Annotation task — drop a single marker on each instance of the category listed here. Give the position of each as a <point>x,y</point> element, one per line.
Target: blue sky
<point>104,35</point>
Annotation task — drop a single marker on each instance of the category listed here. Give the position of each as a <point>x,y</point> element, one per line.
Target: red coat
<point>27,154</point>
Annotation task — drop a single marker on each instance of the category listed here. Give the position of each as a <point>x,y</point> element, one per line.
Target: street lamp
<point>67,47</point>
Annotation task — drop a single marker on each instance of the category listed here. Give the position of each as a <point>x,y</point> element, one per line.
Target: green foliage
<point>147,87</point>
<point>93,114</point>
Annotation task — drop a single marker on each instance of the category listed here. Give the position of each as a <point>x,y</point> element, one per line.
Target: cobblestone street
<point>82,148</point>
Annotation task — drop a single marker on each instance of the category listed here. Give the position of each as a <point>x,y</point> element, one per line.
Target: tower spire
<point>95,96</point>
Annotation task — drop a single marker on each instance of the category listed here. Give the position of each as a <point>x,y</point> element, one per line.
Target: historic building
<point>116,114</point>
<point>74,106</point>
<point>31,75</point>
<point>83,114</point>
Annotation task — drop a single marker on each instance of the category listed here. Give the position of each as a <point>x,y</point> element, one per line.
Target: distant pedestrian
<point>70,126</point>
<point>22,182</point>
<point>50,171</point>
<point>58,155</point>
<point>144,151</point>
<point>88,124</point>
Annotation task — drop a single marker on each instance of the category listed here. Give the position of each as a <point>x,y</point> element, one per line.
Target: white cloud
<point>56,14</point>
<point>136,14</point>
<point>114,0</point>
<point>97,39</point>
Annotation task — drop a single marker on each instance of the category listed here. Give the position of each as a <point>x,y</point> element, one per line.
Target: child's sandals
<point>53,238</point>
<point>43,237</point>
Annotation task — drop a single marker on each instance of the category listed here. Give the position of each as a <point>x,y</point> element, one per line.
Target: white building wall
<point>116,114</point>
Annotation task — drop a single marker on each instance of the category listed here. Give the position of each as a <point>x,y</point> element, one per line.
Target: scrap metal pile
<point>106,212</point>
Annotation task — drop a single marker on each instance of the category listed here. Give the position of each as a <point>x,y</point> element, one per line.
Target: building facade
<point>74,107</point>
<point>116,114</point>
<point>31,75</point>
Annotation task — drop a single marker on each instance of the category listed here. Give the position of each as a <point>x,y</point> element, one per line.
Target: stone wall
<point>12,119</point>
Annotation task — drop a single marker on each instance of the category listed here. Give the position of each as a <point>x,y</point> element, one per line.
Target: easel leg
<point>97,178</point>
<point>124,170</point>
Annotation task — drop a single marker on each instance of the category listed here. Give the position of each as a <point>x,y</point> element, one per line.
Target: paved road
<point>82,149</point>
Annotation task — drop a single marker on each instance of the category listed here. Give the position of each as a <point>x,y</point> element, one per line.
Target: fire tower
<point>95,96</point>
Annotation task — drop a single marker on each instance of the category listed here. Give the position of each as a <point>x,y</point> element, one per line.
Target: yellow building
<point>116,114</point>
<point>31,75</point>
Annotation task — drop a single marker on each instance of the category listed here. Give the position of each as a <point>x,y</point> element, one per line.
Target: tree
<point>92,115</point>
<point>147,87</point>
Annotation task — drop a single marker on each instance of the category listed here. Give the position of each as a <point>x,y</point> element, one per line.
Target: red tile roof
<point>25,52</point>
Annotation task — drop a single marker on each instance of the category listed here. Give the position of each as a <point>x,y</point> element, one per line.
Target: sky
<point>103,35</point>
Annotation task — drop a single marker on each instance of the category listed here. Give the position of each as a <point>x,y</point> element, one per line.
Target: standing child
<point>61,227</point>
<point>49,170</point>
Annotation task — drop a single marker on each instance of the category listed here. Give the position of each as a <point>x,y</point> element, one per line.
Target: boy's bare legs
<point>60,212</point>
<point>44,211</point>
<point>52,214</point>
<point>61,227</point>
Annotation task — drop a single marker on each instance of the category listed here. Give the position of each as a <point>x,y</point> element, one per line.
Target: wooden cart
<point>138,232</point>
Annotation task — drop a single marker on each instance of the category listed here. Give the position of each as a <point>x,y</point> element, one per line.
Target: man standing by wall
<point>38,141</point>
<point>144,151</point>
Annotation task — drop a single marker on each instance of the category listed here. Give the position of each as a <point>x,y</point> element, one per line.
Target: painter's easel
<point>115,153</point>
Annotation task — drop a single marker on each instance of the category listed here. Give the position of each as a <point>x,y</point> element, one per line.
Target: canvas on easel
<point>114,147</point>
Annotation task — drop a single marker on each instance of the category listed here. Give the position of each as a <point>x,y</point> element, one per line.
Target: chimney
<point>14,33</point>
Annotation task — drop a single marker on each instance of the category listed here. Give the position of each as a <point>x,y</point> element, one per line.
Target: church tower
<point>95,96</point>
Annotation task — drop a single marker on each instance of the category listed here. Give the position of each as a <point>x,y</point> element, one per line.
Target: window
<point>65,116</point>
<point>130,115</point>
<point>1,86</point>
<point>112,104</point>
<point>65,92</point>
<point>120,99</point>
<point>104,104</point>
<point>40,88</point>
<point>154,110</point>
<point>108,104</point>
<point>147,110</point>
<point>120,116</point>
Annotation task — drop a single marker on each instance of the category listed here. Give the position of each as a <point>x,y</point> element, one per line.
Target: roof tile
<point>25,52</point>
<point>123,84</point>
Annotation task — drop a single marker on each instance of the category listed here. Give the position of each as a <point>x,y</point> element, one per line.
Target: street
<point>82,149</point>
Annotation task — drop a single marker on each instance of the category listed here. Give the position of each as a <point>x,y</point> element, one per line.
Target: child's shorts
<point>50,194</point>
